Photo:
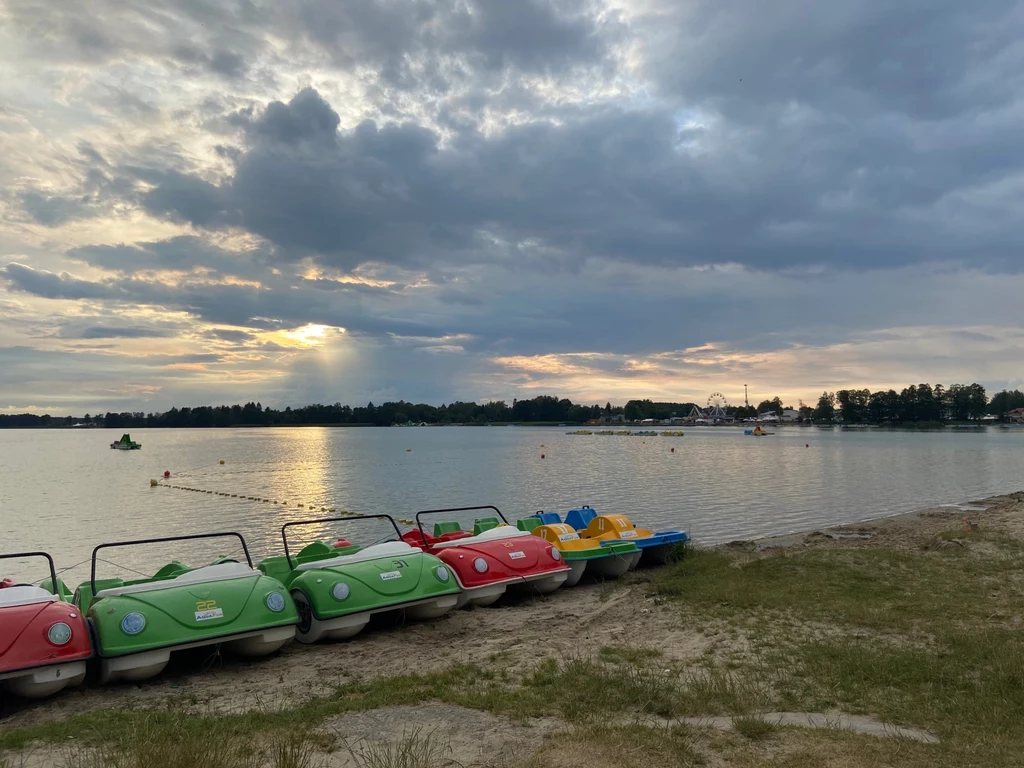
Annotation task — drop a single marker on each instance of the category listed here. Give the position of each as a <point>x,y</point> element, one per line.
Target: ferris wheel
<point>717,405</point>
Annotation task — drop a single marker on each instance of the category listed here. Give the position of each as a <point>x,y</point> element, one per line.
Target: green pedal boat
<point>337,587</point>
<point>137,624</point>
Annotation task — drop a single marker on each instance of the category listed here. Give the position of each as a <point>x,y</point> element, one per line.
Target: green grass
<point>640,657</point>
<point>927,639</point>
<point>620,746</point>
<point>869,588</point>
<point>414,750</point>
<point>754,727</point>
<point>175,740</point>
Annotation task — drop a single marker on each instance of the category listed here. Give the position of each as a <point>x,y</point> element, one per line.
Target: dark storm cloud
<point>54,210</point>
<point>183,253</point>
<point>228,334</point>
<point>931,59</point>
<point>838,134</point>
<point>103,332</point>
<point>231,304</point>
<point>52,286</point>
<point>99,186</point>
<point>407,42</point>
<point>223,62</point>
<point>185,197</point>
<point>610,182</point>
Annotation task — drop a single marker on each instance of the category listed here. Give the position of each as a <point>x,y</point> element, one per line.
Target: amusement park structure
<point>716,411</point>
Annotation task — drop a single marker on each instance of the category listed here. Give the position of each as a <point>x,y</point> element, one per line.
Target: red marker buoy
<point>542,455</point>
<point>807,445</point>
<point>167,473</point>
<point>672,450</point>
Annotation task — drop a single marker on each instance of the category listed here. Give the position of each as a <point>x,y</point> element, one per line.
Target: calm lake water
<point>64,491</point>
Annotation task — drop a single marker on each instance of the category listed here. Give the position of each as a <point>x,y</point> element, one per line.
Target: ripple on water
<point>64,491</point>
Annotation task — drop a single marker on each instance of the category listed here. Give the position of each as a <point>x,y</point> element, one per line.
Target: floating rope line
<point>242,497</point>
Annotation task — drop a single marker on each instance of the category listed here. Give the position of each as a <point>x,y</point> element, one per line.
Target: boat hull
<point>147,664</point>
<point>41,682</point>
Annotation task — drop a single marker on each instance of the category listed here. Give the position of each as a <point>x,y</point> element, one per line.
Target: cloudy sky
<point>294,201</point>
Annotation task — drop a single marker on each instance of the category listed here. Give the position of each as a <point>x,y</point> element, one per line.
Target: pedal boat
<point>581,555</point>
<point>654,546</point>
<point>44,640</point>
<point>337,588</point>
<point>137,624</point>
<point>126,443</point>
<point>494,557</point>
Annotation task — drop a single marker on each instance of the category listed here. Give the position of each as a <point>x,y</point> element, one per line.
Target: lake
<point>64,491</point>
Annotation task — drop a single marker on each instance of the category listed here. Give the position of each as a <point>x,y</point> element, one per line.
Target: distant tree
<point>633,411</point>
<point>1004,402</point>
<point>854,405</point>
<point>826,409</point>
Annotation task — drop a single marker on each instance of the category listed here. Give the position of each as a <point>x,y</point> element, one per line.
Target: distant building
<point>788,414</point>
<point>1017,414</point>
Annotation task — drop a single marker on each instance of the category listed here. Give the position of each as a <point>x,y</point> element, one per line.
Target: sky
<point>296,201</point>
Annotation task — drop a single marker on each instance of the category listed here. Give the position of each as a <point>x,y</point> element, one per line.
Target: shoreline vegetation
<point>921,405</point>
<point>897,639</point>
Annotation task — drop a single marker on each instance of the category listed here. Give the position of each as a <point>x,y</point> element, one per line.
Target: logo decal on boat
<point>568,537</point>
<point>517,555</point>
<point>215,613</point>
<point>391,575</point>
<point>627,534</point>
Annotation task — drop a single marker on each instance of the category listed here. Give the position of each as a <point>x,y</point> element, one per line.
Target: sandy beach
<point>591,621</point>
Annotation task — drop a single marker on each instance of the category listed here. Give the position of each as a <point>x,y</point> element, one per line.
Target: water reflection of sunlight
<point>308,451</point>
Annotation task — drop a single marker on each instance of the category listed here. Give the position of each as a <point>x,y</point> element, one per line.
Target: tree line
<point>916,404</point>
<point>920,404</point>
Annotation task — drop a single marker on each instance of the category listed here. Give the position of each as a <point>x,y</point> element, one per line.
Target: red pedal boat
<point>491,558</point>
<point>44,641</point>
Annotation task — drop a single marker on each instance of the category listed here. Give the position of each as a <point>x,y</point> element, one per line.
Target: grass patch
<point>926,639</point>
<point>753,727</point>
<point>173,740</point>
<point>870,588</point>
<point>413,750</point>
<point>632,746</point>
<point>637,656</point>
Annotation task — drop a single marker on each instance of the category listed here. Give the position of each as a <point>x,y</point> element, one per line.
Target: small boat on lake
<point>126,443</point>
